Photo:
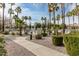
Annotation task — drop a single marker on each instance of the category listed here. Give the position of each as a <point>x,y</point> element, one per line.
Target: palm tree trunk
<point>54,22</point>
<point>73,21</point>
<point>49,20</point>
<point>0,22</point>
<point>30,24</point>
<point>69,21</point>
<point>10,22</point>
<point>3,20</point>
<point>20,30</point>
<point>63,19</point>
<point>78,19</point>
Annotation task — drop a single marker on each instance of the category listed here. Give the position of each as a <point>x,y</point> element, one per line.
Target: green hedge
<point>13,33</point>
<point>38,36</point>
<point>2,45</point>
<point>57,40</point>
<point>44,34</point>
<point>71,43</point>
<point>6,32</point>
<point>2,52</point>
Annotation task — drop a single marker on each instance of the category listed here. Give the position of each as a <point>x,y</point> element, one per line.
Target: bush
<point>13,33</point>
<point>71,43</point>
<point>26,32</point>
<point>57,40</point>
<point>44,34</point>
<point>2,52</point>
<point>6,32</point>
<point>1,45</point>
<point>2,40</point>
<point>38,36</point>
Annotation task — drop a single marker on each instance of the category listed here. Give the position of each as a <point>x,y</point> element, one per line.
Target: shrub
<point>6,32</point>
<point>26,33</point>
<point>2,52</point>
<point>71,43</point>
<point>57,40</point>
<point>38,36</point>
<point>13,33</point>
<point>2,40</point>
<point>1,45</point>
<point>44,34</point>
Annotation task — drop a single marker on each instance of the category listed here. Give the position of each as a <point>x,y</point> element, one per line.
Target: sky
<point>38,10</point>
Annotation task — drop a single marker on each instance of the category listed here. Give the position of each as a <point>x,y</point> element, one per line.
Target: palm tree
<point>58,18</point>
<point>29,22</point>
<point>63,16</point>
<point>0,15</point>
<point>19,22</point>
<point>68,15</point>
<point>55,8</point>
<point>15,17</point>
<point>77,11</point>
<point>73,12</point>
<point>18,10</point>
<point>2,5</point>
<point>10,11</point>
<point>26,18</point>
<point>50,9</point>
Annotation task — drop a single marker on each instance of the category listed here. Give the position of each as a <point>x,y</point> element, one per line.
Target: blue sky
<point>38,10</point>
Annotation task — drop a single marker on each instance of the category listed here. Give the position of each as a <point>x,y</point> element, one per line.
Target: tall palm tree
<point>73,14</point>
<point>58,18</point>
<point>10,11</point>
<point>18,10</point>
<point>50,9</point>
<point>25,18</point>
<point>15,17</point>
<point>29,22</point>
<point>68,15</point>
<point>55,8</point>
<point>63,16</point>
<point>77,10</point>
<point>2,5</point>
<point>0,15</point>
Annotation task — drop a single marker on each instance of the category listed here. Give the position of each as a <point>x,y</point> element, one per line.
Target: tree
<point>63,16</point>
<point>68,15</point>
<point>10,11</point>
<point>58,18</point>
<point>50,9</point>
<point>29,22</point>
<point>55,8</point>
<point>43,24</point>
<point>26,18</point>
<point>2,5</point>
<point>15,17</point>
<point>20,23</point>
<point>77,12</point>
<point>18,10</point>
<point>73,12</point>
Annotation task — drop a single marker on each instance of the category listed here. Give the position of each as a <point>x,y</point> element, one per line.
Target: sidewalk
<point>37,49</point>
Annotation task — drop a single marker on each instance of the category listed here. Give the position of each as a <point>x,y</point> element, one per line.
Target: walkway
<point>37,49</point>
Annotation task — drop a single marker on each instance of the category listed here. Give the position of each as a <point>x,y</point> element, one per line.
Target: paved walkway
<point>37,49</point>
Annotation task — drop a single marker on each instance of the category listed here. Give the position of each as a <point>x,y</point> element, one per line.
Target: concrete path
<point>37,49</point>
